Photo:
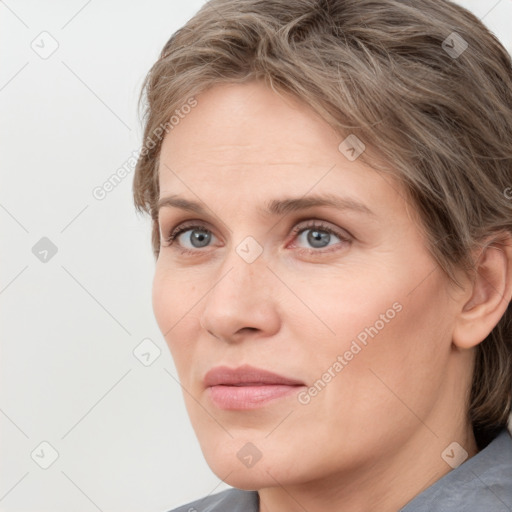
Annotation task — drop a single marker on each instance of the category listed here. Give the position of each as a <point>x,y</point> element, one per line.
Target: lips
<point>246,376</point>
<point>247,387</point>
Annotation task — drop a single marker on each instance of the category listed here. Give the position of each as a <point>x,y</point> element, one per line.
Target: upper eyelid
<point>188,224</point>
<point>201,223</point>
<point>298,226</point>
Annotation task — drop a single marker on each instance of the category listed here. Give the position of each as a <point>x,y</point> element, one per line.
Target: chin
<point>235,467</point>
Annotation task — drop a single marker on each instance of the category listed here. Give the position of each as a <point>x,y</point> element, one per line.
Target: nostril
<point>249,329</point>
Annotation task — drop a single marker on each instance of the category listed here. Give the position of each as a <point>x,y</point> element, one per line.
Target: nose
<point>241,302</point>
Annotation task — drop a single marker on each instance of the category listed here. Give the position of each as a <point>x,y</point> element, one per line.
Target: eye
<point>318,235</point>
<point>198,238</point>
<point>193,237</point>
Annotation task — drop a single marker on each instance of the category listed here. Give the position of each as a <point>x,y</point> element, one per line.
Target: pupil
<point>315,238</point>
<point>201,237</point>
<point>318,238</point>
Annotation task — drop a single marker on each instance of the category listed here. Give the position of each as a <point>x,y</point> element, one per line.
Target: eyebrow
<point>276,206</point>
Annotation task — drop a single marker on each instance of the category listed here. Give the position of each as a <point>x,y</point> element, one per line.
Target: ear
<point>490,294</point>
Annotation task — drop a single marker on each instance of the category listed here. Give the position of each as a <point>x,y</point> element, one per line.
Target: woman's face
<point>343,301</point>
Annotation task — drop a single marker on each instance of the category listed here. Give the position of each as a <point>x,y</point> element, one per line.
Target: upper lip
<point>244,376</point>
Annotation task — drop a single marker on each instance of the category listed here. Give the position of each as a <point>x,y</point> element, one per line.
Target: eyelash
<point>296,231</point>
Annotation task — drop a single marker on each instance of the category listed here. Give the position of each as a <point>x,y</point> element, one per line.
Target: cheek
<point>403,364</point>
<point>173,295</point>
<point>162,301</point>
<point>173,300</point>
<point>356,305</point>
<point>391,325</point>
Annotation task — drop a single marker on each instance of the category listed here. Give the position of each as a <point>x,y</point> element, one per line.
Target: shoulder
<point>482,483</point>
<point>230,500</point>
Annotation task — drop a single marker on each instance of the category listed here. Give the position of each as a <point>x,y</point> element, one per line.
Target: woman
<point>328,187</point>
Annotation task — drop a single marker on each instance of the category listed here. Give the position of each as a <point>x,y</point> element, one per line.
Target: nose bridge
<point>241,295</point>
<point>242,274</point>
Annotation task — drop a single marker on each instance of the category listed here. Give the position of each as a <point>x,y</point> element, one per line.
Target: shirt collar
<point>482,483</point>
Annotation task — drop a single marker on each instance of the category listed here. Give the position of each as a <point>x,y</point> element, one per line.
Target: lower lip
<point>249,397</point>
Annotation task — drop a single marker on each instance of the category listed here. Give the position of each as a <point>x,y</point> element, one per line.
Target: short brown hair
<point>424,82</point>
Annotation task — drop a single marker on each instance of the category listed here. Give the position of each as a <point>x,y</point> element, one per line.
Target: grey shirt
<point>481,484</point>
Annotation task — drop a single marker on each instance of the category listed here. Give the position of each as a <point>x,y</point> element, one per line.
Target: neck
<point>385,484</point>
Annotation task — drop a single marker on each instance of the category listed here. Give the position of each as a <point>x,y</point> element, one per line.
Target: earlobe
<point>491,293</point>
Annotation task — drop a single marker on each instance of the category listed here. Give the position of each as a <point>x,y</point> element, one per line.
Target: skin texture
<point>372,438</point>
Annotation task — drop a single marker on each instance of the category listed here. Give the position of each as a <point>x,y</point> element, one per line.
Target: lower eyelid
<point>327,229</point>
<point>297,231</point>
<point>322,250</point>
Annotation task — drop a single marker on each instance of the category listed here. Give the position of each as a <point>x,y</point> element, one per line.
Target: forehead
<point>249,122</point>
<point>247,139</point>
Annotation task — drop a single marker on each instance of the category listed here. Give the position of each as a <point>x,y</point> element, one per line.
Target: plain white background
<point>71,321</point>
